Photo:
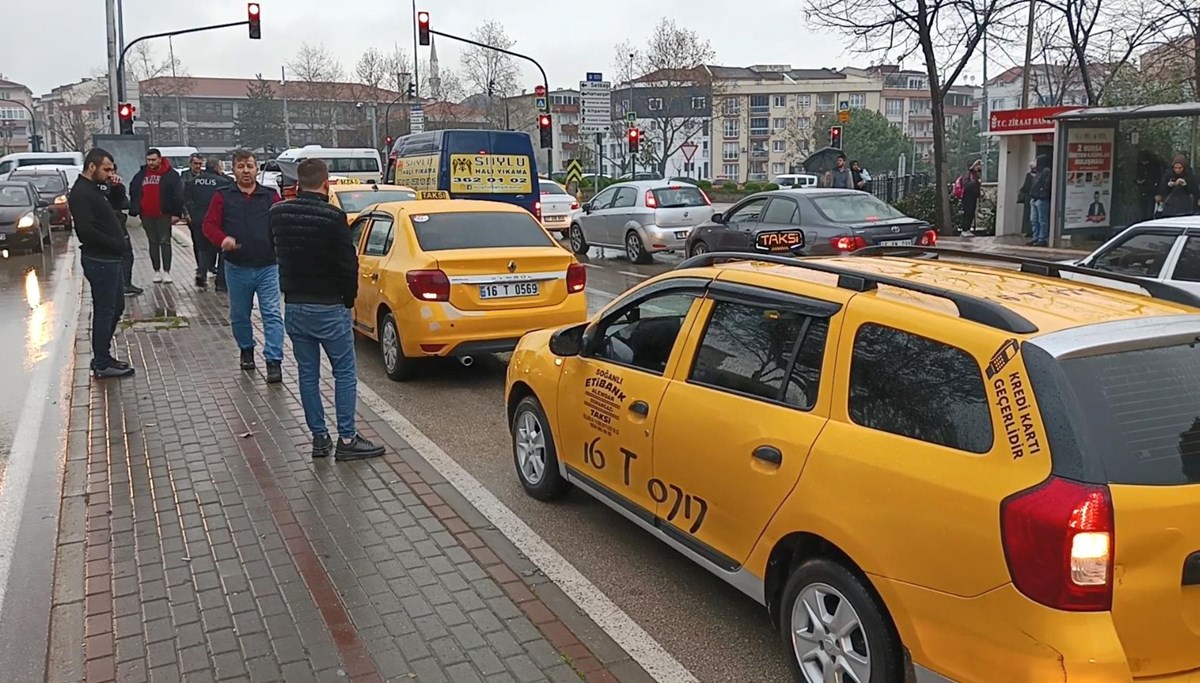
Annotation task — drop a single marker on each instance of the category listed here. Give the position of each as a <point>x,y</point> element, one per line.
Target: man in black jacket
<point>198,193</point>
<point>318,274</point>
<point>102,243</point>
<point>118,198</point>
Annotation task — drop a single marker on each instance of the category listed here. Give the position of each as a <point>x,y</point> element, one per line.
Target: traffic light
<point>387,142</point>
<point>423,27</point>
<point>835,137</point>
<point>547,133</point>
<point>412,90</point>
<point>125,114</point>
<point>635,139</point>
<point>253,18</point>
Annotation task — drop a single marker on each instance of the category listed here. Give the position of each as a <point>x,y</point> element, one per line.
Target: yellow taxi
<point>459,278</point>
<point>930,469</point>
<point>352,195</point>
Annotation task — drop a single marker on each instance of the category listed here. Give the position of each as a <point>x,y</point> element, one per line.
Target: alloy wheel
<point>633,247</point>
<point>828,637</point>
<point>530,440</point>
<point>391,346</point>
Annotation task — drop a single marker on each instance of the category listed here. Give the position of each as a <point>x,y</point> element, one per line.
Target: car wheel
<point>835,628</point>
<point>534,453</point>
<point>39,246</point>
<point>579,243</point>
<point>398,366</point>
<point>698,248</point>
<point>635,251</point>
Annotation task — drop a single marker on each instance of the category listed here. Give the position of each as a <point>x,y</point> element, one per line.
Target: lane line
<point>630,273</point>
<point>24,451</point>
<point>619,626</point>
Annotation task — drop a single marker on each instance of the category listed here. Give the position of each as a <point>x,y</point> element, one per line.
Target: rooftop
<point>236,88</point>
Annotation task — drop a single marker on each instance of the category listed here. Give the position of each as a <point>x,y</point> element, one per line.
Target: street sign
<point>689,150</point>
<point>540,103</point>
<point>844,105</point>
<point>416,119</point>
<point>539,90</point>
<point>595,103</point>
<point>844,116</point>
<point>574,172</point>
<point>595,77</point>
<point>631,116</point>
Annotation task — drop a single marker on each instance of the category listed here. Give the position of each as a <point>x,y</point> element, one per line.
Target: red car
<point>52,187</point>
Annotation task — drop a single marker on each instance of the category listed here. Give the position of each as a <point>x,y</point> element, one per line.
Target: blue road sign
<point>540,103</point>
<point>844,105</point>
<point>595,76</point>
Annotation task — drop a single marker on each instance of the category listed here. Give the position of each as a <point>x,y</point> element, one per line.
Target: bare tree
<point>1178,55</point>
<point>317,87</point>
<point>670,88</point>
<point>492,73</point>
<point>162,85</point>
<point>944,34</point>
<point>73,117</point>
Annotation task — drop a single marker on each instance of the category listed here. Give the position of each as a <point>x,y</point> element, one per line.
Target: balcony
<point>759,154</point>
<point>825,107</point>
<point>760,109</point>
<point>760,132</point>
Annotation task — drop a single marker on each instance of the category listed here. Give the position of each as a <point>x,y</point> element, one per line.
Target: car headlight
<point>27,221</point>
<point>60,199</point>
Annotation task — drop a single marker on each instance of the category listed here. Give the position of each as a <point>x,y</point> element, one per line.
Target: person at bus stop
<point>318,273</point>
<point>1178,192</point>
<point>1039,203</point>
<point>198,195</point>
<point>237,223</point>
<point>156,195</point>
<point>972,187</point>
<point>842,178</point>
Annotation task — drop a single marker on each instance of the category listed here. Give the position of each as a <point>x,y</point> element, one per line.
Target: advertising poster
<point>1089,180</point>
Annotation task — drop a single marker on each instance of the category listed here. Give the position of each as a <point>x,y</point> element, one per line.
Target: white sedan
<point>559,207</point>
<point>1164,249</point>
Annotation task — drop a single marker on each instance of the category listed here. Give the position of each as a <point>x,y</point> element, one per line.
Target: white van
<point>796,180</point>
<point>178,156</point>
<point>8,162</point>
<point>361,163</point>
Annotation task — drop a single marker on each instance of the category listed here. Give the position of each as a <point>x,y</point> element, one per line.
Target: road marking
<point>619,626</point>
<point>64,317</point>
<point>630,273</point>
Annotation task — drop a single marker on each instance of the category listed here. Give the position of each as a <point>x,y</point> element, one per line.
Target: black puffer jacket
<point>317,260</point>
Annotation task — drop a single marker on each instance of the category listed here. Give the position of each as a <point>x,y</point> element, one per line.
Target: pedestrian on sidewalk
<point>1178,192</point>
<point>842,178</point>
<point>972,187</point>
<point>1039,203</point>
<point>198,194</point>
<point>102,245</point>
<point>156,195</point>
<point>318,273</point>
<point>237,222</point>
<point>118,198</point>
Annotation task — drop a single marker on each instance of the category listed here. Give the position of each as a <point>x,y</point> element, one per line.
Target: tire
<point>698,248</point>
<point>534,454</point>
<point>398,366</point>
<point>579,243</point>
<point>870,645</point>
<point>39,246</point>
<point>635,251</point>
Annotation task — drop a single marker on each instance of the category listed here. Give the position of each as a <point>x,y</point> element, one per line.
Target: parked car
<point>1165,249</point>
<point>795,180</point>
<point>24,219</point>
<point>812,222</point>
<point>52,186</point>
<point>642,217</point>
<point>559,207</point>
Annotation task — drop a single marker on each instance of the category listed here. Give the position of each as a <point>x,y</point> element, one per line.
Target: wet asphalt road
<point>712,629</point>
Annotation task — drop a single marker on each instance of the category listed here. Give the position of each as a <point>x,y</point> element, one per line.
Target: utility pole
<point>110,15</point>
<point>987,141</point>
<point>416,67</point>
<point>1028,56</point>
<point>287,126</point>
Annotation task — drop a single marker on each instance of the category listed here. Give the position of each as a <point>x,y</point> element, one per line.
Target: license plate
<point>508,290</point>
<point>681,234</point>
<point>897,243</point>
<point>556,219</point>
<point>779,241</point>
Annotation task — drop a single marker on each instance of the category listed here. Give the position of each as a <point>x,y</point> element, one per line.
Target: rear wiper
<point>674,206</point>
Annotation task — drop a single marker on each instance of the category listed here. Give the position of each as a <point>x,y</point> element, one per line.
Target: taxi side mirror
<point>568,341</point>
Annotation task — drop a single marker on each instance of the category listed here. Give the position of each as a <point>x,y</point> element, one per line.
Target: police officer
<point>198,195</point>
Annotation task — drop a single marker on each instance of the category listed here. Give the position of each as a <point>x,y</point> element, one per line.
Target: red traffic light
<point>254,19</point>
<point>423,27</point>
<point>125,111</point>
<point>252,9</point>
<point>634,133</point>
<point>544,120</point>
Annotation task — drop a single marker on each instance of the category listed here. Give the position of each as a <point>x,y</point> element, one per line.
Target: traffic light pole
<point>34,143</point>
<point>510,53</point>
<point>135,41</point>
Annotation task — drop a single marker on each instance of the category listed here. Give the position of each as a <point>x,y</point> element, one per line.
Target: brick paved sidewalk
<point>199,542</point>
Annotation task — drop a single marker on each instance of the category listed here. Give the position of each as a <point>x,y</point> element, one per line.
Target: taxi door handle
<point>639,408</point>
<point>374,277</point>
<point>1191,570</point>
<point>769,454</point>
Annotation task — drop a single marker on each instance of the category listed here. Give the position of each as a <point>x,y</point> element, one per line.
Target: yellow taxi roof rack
<point>973,308</point>
<point>1153,288</point>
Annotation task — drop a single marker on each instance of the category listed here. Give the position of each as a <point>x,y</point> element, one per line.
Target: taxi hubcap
<point>531,448</point>
<point>391,349</point>
<point>828,637</point>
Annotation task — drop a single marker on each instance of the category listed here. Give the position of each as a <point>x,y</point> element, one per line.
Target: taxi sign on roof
<point>433,194</point>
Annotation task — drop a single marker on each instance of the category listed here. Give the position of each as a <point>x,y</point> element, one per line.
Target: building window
<point>858,100</point>
<point>731,171</point>
<point>732,106</point>
<point>730,150</point>
<point>803,122</point>
<point>760,126</point>
<point>733,128</point>
<point>12,113</point>
<point>654,103</point>
<point>804,101</point>
<point>779,146</point>
<point>825,102</point>
<point>778,168</point>
<point>699,102</point>
<point>760,104</point>
<point>894,107</point>
<point>780,101</point>
<point>779,123</point>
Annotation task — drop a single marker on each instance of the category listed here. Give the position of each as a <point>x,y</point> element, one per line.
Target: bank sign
<point>1034,120</point>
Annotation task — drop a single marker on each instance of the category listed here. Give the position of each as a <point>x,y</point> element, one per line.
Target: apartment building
<point>673,110</point>
<point>69,115</point>
<point>907,104</point>
<point>16,107</point>
<point>1050,85</point>
<point>1174,62</point>
<point>522,113</point>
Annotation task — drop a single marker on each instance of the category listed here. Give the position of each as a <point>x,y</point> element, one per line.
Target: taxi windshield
<point>478,230</point>
<point>355,202</point>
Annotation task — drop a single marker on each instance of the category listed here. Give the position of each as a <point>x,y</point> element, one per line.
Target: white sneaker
<point>167,278</point>
<point>157,277</point>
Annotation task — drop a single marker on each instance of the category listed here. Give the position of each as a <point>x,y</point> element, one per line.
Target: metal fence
<point>891,188</point>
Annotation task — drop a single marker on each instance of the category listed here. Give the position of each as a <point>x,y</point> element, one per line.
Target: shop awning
<point>1137,111</point>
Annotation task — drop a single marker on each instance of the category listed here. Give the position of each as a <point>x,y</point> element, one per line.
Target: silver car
<point>642,217</point>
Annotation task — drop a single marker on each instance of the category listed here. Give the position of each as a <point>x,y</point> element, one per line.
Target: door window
<point>604,199</point>
<point>356,228</point>
<point>626,197</point>
<point>762,352</point>
<point>1188,267</point>
<point>379,240</point>
<point>782,211</point>
<point>748,212</point>
<point>642,335</point>
<point>1141,255</point>
<point>919,388</point>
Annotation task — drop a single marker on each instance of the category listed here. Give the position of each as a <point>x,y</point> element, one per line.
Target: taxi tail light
<point>928,239</point>
<point>428,285</point>
<point>848,243</point>
<point>576,278</point>
<point>1058,540</point>
<point>651,201</point>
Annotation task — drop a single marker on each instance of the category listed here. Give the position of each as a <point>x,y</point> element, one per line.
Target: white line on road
<point>24,452</point>
<point>619,626</point>
<point>630,273</point>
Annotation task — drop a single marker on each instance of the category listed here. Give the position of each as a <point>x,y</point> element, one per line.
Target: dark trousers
<point>204,251</point>
<point>108,304</point>
<point>158,233</point>
<point>969,204</point>
<point>127,258</point>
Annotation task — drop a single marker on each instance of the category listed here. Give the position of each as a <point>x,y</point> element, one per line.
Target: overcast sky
<point>65,39</point>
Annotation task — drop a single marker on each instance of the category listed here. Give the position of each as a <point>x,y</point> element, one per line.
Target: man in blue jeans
<point>237,223</point>
<point>318,272</point>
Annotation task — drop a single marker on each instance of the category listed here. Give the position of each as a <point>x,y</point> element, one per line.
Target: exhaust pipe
<point>467,361</point>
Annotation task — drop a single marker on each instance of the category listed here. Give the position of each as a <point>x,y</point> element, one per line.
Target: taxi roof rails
<point>973,308</point>
<point>1033,266</point>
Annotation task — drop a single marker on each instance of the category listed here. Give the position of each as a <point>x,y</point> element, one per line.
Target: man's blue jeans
<point>1039,217</point>
<point>244,285</point>
<point>108,304</point>
<point>313,327</point>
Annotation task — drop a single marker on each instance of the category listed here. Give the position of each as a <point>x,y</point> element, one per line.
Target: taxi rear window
<point>478,230</point>
<point>355,202</point>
